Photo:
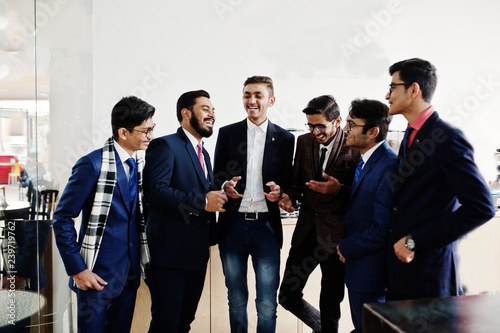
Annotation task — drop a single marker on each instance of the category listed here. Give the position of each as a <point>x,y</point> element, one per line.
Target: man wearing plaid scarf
<point>106,259</point>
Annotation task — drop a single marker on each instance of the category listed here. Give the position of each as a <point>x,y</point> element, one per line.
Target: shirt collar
<point>192,139</point>
<point>370,151</point>
<point>422,118</point>
<point>251,126</point>
<point>122,153</point>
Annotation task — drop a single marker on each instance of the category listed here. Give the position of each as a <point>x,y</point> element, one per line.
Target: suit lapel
<point>208,184</point>
<point>194,158</point>
<point>369,165</point>
<point>269,148</point>
<point>338,142</point>
<point>241,139</point>
<point>121,182</point>
<point>404,162</point>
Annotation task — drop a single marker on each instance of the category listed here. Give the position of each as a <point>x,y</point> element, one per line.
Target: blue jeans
<point>257,239</point>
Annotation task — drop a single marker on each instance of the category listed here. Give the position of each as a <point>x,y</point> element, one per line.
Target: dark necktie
<point>200,156</point>
<point>321,162</point>
<point>358,170</point>
<point>406,139</point>
<point>132,182</point>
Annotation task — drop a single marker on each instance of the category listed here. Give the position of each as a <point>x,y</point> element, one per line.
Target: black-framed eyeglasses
<point>393,85</point>
<point>350,124</point>
<point>146,132</point>
<point>321,128</point>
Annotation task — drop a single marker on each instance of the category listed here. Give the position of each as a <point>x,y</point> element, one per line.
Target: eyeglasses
<point>145,132</point>
<point>321,128</point>
<point>350,124</point>
<point>393,85</point>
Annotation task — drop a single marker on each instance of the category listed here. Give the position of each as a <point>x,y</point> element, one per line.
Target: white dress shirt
<point>327,155</point>
<point>253,196</point>
<point>369,153</point>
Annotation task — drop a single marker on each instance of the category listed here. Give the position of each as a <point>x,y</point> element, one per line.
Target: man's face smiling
<point>256,100</point>
<point>203,117</point>
<point>326,130</point>
<point>354,129</point>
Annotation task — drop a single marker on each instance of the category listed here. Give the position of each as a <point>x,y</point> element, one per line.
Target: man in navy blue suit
<point>178,183</point>
<point>439,194</point>
<point>104,261</point>
<point>368,214</point>
<point>253,161</point>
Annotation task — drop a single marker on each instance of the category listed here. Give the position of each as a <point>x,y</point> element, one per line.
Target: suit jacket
<point>120,241</point>
<point>439,197</point>
<point>367,223</point>
<point>178,228</point>
<point>325,212</point>
<point>231,161</point>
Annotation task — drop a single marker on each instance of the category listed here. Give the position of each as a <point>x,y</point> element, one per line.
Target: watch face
<point>410,244</point>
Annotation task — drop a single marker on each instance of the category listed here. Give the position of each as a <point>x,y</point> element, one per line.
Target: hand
<point>229,188</point>
<point>88,280</point>
<point>332,185</point>
<point>402,252</point>
<point>286,203</point>
<point>12,280</point>
<point>275,193</point>
<point>216,201</point>
<point>341,257</point>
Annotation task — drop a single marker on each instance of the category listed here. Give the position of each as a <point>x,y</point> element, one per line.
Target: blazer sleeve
<point>78,190</point>
<point>457,164</point>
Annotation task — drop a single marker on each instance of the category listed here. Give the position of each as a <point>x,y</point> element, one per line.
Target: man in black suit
<point>181,222</point>
<point>253,160</point>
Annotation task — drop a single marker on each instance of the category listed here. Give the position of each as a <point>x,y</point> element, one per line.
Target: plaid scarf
<point>102,202</point>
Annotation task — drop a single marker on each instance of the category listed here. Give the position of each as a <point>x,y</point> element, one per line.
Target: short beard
<point>195,123</point>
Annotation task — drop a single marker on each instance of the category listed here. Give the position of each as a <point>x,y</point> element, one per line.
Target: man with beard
<point>253,161</point>
<point>178,182</point>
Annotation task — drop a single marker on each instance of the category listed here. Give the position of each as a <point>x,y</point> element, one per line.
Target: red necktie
<point>200,157</point>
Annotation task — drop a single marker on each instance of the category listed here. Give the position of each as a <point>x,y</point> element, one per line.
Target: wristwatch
<point>410,243</point>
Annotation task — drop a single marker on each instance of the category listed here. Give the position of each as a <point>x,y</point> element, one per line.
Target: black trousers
<point>174,297</point>
<point>301,262</point>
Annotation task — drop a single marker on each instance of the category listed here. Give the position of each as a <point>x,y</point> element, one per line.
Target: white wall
<point>160,49</point>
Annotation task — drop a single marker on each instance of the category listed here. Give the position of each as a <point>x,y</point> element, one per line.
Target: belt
<point>254,216</point>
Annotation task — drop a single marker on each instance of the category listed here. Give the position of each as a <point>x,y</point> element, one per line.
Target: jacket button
<point>391,231</point>
<point>130,244</point>
<point>395,208</point>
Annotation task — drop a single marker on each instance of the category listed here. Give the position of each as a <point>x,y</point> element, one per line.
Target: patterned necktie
<point>321,162</point>
<point>132,182</point>
<point>358,169</point>
<point>200,156</point>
